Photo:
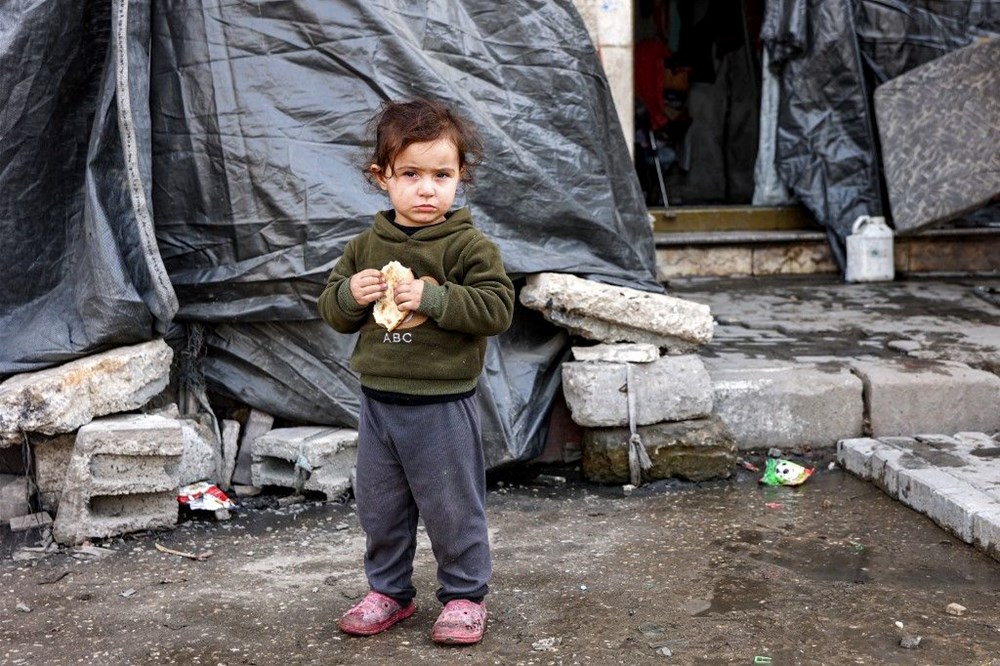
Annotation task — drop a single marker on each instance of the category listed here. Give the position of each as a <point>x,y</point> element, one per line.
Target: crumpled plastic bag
<point>204,496</point>
<point>779,472</point>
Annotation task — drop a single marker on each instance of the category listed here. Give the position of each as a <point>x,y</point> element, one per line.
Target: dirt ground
<point>721,573</point>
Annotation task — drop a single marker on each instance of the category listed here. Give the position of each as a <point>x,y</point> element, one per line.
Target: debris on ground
<point>780,472</point>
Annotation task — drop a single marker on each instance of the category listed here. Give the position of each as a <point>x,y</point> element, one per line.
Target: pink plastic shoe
<point>374,614</point>
<point>462,622</point>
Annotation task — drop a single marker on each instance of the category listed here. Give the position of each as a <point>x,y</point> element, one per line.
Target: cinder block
<point>305,458</point>
<point>122,477</point>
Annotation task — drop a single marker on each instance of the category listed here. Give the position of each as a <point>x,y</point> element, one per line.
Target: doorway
<point>697,73</point>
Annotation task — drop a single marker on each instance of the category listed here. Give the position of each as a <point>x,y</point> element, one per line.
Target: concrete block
<point>941,397</point>
<point>230,448</point>
<point>934,493</point>
<point>855,455</point>
<point>618,314</point>
<point>52,455</point>
<point>282,457</point>
<point>62,399</point>
<point>14,496</point>
<point>887,462</point>
<point>122,477</point>
<point>672,388</point>
<point>257,423</point>
<point>986,531</point>
<point>202,457</point>
<point>696,450</point>
<point>775,404</point>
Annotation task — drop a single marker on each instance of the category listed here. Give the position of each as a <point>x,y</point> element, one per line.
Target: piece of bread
<point>386,312</point>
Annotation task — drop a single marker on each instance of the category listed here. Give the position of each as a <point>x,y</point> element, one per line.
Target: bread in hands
<point>386,313</point>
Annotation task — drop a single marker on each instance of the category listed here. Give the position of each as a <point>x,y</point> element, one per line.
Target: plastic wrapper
<point>779,472</point>
<point>204,496</point>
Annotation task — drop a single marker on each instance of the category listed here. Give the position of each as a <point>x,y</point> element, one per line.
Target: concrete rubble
<point>102,469</point>
<point>768,371</point>
<point>607,313</point>
<point>627,395</point>
<point>306,458</point>
<point>63,398</point>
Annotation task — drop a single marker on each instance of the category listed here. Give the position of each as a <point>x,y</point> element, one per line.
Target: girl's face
<point>422,182</point>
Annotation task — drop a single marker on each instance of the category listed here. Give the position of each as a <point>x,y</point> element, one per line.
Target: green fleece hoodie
<point>467,298</point>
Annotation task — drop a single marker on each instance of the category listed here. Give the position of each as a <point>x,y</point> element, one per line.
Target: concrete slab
<point>908,397</point>
<point>63,398</point>
<point>776,403</point>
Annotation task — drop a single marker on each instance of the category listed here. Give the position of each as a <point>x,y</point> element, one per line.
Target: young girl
<point>419,442</point>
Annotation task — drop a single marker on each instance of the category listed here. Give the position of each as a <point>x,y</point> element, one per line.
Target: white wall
<point>609,23</point>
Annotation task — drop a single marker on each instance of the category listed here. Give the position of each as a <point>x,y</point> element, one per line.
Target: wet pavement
<point>714,573</point>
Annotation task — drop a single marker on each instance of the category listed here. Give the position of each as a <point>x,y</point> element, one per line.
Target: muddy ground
<point>720,573</point>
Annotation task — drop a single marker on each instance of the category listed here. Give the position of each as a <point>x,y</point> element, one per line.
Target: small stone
<point>222,514</point>
<point>550,480</point>
<point>546,644</point>
<point>664,651</point>
<point>627,489</point>
<point>910,642</point>
<point>23,607</point>
<point>774,452</point>
<point>957,610</point>
<point>128,593</point>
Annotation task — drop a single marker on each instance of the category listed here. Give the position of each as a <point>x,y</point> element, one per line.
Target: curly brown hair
<point>399,124</point>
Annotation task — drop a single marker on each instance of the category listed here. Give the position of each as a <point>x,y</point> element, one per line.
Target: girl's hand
<point>367,286</point>
<point>408,294</point>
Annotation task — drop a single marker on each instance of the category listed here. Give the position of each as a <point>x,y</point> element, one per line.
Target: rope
<point>638,459</point>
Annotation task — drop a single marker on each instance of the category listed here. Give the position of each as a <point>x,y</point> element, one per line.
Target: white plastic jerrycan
<point>869,251</point>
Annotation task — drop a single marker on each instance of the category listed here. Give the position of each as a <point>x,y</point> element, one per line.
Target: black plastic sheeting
<point>80,269</point>
<point>245,122</point>
<point>829,55</point>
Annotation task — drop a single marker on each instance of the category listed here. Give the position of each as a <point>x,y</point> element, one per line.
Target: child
<point>419,442</point>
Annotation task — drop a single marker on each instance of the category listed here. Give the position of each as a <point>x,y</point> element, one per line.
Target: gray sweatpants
<point>423,461</point>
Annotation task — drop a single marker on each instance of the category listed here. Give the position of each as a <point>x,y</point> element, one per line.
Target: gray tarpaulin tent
<point>169,166</point>
<point>829,55</point>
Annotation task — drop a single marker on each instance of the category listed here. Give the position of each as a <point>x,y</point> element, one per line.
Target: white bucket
<point>869,251</point>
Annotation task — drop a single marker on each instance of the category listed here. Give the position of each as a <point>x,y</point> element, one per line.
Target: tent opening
<point>697,100</point>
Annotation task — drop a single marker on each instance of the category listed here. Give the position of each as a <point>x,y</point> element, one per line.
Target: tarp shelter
<point>169,167</point>
<point>828,56</point>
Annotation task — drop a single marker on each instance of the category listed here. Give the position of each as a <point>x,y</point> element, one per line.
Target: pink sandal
<point>462,622</point>
<point>374,614</point>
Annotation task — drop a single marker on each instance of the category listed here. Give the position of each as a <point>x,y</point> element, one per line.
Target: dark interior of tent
<point>697,100</point>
